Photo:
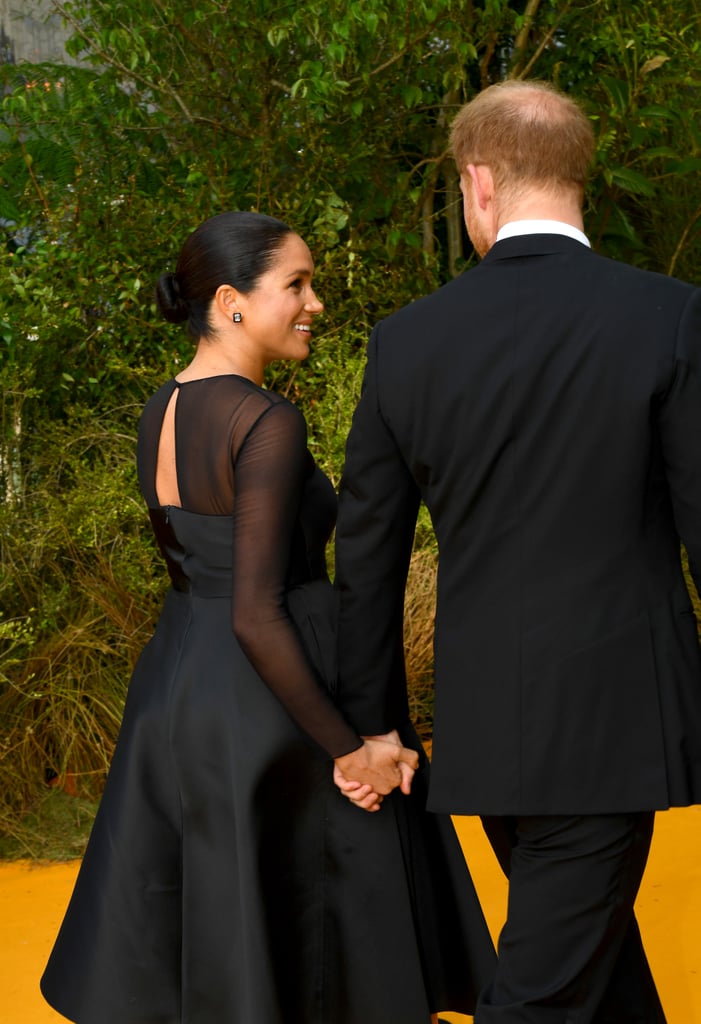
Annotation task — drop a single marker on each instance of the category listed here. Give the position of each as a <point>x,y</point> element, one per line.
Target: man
<point>546,406</point>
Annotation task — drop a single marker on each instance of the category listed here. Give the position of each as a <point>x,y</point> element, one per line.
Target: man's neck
<point>515,228</point>
<point>539,207</point>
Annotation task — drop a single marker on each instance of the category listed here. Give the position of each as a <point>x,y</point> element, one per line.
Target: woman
<point>226,879</point>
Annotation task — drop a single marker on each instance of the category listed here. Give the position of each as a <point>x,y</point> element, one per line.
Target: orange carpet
<point>32,900</point>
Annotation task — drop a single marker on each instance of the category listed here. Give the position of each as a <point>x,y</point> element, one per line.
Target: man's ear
<point>483,183</point>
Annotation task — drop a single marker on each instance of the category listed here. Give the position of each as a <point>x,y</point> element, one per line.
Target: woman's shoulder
<point>249,410</point>
<point>267,422</point>
<point>274,409</point>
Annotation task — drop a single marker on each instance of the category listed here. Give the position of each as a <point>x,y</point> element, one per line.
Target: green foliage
<point>79,586</point>
<point>333,116</point>
<point>644,201</point>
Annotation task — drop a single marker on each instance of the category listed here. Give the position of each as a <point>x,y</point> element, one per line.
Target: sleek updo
<point>233,248</point>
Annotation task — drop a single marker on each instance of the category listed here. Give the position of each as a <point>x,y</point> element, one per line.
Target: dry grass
<point>62,695</point>
<point>419,616</point>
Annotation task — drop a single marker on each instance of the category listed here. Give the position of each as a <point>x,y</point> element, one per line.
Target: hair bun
<point>170,299</point>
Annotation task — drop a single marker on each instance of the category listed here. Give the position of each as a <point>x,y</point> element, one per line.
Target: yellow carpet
<point>33,898</point>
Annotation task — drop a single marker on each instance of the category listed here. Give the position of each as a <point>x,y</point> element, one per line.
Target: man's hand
<point>406,767</point>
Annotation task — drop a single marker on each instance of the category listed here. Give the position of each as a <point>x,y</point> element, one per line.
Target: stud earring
<point>237,317</point>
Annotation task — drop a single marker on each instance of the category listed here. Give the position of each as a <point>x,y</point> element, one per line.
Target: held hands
<point>375,769</point>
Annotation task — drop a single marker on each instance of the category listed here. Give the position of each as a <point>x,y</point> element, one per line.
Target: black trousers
<point>570,951</point>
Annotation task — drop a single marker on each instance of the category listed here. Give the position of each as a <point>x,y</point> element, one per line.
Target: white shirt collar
<point>541,227</point>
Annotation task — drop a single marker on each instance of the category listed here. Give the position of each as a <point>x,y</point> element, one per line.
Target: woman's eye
<point>296,284</point>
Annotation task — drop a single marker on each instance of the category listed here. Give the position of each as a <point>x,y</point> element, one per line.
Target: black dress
<point>226,880</point>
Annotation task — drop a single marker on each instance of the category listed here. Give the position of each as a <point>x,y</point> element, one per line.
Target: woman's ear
<point>226,301</point>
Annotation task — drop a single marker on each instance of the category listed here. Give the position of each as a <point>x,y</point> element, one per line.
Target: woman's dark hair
<point>233,248</point>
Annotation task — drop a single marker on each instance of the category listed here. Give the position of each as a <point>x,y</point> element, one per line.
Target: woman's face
<point>277,315</point>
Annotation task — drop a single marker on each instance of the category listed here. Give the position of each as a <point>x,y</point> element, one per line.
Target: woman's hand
<point>375,769</point>
<point>360,795</point>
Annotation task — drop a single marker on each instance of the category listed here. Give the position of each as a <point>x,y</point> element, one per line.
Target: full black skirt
<point>227,881</point>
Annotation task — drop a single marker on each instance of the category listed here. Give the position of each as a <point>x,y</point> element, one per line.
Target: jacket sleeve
<point>378,505</point>
<point>680,431</point>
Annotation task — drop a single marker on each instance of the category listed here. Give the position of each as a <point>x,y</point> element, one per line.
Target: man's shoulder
<point>640,288</point>
<point>421,310</point>
<point>643,274</point>
<point>560,259</point>
<point>480,286</point>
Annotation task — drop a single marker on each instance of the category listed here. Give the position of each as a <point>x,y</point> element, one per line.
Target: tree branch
<point>545,41</point>
<point>162,87</point>
<point>521,41</point>
<point>397,56</point>
<point>28,161</point>
<point>682,241</point>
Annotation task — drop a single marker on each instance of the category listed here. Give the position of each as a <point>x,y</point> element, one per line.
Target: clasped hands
<point>372,771</point>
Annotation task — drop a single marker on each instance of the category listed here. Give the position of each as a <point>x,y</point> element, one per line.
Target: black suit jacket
<point>546,406</point>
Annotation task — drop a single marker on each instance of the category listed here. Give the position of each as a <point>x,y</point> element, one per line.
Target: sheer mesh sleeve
<point>269,473</point>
